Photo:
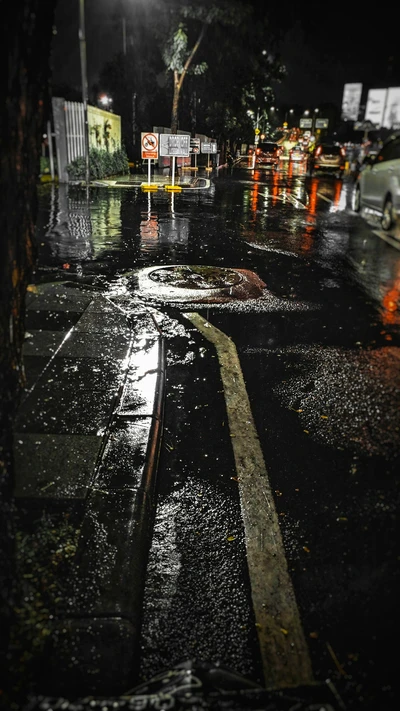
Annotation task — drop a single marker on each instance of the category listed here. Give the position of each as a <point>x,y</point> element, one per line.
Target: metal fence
<point>75,129</point>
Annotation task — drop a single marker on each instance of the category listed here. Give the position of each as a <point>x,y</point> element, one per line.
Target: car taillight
<point>318,151</point>
<point>258,150</point>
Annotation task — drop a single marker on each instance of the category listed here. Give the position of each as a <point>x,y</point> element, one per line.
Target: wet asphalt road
<point>319,352</point>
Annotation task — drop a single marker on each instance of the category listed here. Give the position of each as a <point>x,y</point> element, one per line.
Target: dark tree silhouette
<point>26,32</point>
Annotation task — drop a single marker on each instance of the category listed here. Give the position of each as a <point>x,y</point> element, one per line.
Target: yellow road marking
<point>387,238</point>
<point>285,656</point>
<point>323,197</point>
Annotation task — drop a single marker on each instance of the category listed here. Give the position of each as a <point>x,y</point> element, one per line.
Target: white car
<point>378,184</point>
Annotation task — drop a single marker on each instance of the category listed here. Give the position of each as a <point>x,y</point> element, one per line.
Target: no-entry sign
<point>149,145</point>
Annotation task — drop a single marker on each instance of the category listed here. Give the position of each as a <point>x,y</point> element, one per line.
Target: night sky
<point>323,47</point>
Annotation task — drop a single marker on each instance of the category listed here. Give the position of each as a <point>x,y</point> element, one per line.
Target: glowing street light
<point>106,101</point>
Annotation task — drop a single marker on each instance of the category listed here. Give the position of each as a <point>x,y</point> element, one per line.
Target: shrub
<point>102,164</point>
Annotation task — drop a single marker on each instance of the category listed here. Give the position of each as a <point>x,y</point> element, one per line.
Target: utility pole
<point>256,137</point>
<point>82,44</point>
<point>124,35</point>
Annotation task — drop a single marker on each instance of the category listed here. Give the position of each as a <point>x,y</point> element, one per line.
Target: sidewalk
<point>86,447</point>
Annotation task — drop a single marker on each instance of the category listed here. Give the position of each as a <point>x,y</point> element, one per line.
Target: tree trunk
<point>178,80</point>
<point>26,33</point>
<point>175,103</point>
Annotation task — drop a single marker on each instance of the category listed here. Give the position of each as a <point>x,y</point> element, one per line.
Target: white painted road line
<point>284,652</point>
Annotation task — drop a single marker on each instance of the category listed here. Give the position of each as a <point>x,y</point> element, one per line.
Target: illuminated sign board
<point>351,101</point>
<point>375,108</point>
<point>305,123</point>
<point>391,116</point>
<point>321,123</point>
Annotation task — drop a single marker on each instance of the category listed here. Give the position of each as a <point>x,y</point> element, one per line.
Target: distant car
<point>328,158</point>
<point>378,183</point>
<point>297,154</point>
<point>268,153</point>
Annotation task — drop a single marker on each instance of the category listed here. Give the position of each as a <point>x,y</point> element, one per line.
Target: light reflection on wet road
<point>320,357</point>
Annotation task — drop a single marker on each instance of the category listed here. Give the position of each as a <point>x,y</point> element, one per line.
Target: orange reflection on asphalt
<point>254,195</point>
<point>275,187</point>
<point>308,234</point>
<point>390,303</point>
<point>312,205</point>
<point>149,224</point>
<point>337,194</point>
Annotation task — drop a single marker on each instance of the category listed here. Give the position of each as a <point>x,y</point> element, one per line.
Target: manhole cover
<point>196,277</point>
<point>199,284</point>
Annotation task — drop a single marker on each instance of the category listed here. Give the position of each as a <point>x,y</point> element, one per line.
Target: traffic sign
<point>195,145</point>
<point>257,131</point>
<point>210,147</point>
<point>149,145</point>
<point>364,126</point>
<point>321,123</point>
<point>174,145</point>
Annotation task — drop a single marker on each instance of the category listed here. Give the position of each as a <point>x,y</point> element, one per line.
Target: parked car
<point>328,158</point>
<point>268,153</point>
<point>378,184</point>
<point>297,154</point>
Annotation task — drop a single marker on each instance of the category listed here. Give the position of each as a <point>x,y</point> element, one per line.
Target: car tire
<point>357,199</point>
<point>387,219</point>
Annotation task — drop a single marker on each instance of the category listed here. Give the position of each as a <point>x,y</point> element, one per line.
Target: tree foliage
<point>210,62</point>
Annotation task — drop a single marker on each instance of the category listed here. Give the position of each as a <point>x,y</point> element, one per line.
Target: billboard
<point>351,101</point>
<point>375,108</point>
<point>391,116</point>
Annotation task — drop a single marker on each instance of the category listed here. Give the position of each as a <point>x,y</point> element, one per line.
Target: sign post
<point>195,149</point>
<point>256,140</point>
<point>174,145</point>
<point>209,147</point>
<point>149,152</point>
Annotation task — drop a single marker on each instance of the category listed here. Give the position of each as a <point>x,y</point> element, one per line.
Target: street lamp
<point>106,101</point>
<point>316,111</point>
<point>256,132</point>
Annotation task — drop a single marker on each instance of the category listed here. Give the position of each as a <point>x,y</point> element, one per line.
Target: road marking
<point>284,652</point>
<point>323,197</point>
<point>387,238</point>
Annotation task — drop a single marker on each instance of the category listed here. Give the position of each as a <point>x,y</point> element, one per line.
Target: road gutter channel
<point>284,652</point>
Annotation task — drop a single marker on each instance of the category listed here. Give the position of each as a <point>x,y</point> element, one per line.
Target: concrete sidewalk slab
<point>86,445</point>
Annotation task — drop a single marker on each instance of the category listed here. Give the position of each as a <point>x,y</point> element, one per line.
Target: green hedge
<point>101,164</point>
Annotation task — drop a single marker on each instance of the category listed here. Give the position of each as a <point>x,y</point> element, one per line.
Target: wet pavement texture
<point>319,350</point>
